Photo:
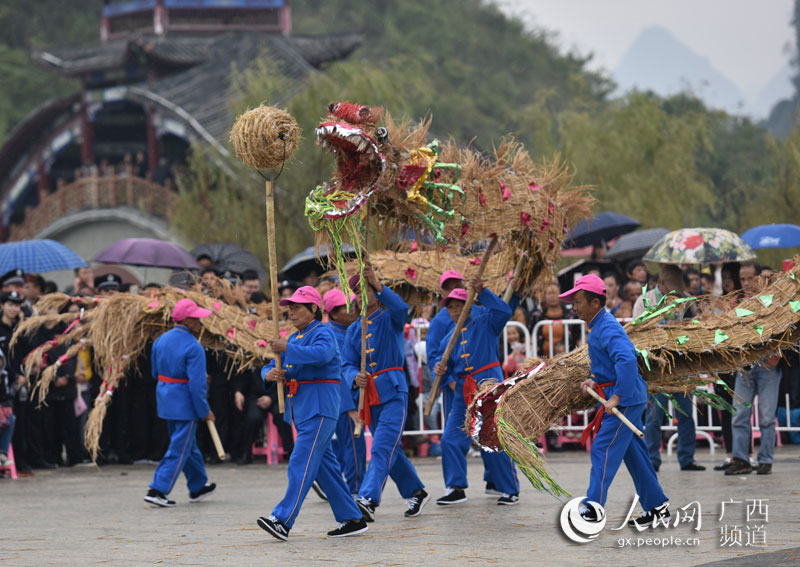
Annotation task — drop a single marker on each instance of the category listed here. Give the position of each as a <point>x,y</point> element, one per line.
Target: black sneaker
<point>452,496</point>
<point>588,513</point>
<point>318,489</point>
<point>739,466</point>
<point>158,498</point>
<point>764,468</point>
<point>658,516</point>
<point>416,503</point>
<point>367,508</point>
<point>693,466</point>
<point>203,492</point>
<point>508,500</point>
<point>274,526</point>
<point>723,466</point>
<point>348,528</point>
<point>491,490</point>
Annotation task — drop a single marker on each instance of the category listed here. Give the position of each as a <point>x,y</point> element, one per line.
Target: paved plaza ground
<point>86,516</point>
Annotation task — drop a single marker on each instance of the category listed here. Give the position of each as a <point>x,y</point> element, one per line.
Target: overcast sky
<point>746,40</point>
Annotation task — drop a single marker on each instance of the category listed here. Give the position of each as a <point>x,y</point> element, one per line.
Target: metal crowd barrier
<point>704,426</point>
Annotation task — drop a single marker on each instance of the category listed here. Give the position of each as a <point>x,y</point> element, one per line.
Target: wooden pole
<point>517,269</point>
<point>364,324</point>
<point>212,429</point>
<point>618,413</point>
<point>457,330</point>
<point>273,281</point>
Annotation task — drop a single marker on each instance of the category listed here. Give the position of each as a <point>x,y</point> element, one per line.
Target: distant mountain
<point>779,87</point>
<point>659,62</point>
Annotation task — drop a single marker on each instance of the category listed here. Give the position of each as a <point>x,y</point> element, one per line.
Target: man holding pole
<point>179,365</point>
<point>441,326</point>
<point>474,360</point>
<point>615,377</point>
<point>313,370</point>
<point>386,395</point>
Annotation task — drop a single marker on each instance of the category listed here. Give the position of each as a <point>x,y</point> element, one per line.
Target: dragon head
<point>351,133</point>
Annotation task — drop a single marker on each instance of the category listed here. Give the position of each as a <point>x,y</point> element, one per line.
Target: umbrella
<point>303,263</point>
<point>601,228</point>
<point>228,256</point>
<point>699,246</point>
<point>147,252</point>
<point>38,256</point>
<point>635,244</point>
<point>773,236</point>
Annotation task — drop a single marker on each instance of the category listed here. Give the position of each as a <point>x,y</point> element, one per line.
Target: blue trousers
<point>614,444</point>
<point>182,455</point>
<point>351,452</point>
<point>764,382</point>
<point>388,458</point>
<point>687,439</point>
<point>313,458</point>
<point>498,467</point>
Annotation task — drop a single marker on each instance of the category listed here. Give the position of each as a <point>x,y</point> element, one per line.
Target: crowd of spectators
<point>49,435</point>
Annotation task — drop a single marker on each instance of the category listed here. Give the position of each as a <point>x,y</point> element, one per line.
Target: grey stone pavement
<point>86,516</point>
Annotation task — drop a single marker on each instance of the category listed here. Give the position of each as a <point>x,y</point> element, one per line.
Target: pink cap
<point>186,308</point>
<point>305,294</point>
<point>450,275</point>
<point>335,298</point>
<point>457,293</point>
<point>589,282</point>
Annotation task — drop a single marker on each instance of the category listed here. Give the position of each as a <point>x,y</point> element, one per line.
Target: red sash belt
<point>171,380</point>
<point>594,425</point>
<point>371,397</point>
<point>471,385</point>
<point>293,384</point>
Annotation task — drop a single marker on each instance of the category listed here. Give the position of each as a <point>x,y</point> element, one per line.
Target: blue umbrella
<point>773,236</point>
<point>601,228</point>
<point>38,256</point>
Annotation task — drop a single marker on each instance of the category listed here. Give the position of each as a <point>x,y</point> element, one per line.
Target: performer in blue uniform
<point>179,365</point>
<point>350,450</point>
<point>473,361</point>
<point>312,369</point>
<point>386,400</point>
<point>440,327</point>
<point>615,376</point>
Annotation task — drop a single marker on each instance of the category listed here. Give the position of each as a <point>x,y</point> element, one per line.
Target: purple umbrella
<point>147,252</point>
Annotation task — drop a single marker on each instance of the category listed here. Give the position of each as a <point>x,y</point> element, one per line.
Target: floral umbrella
<point>699,246</point>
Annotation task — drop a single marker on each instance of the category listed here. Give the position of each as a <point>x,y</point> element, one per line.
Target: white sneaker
<point>5,461</point>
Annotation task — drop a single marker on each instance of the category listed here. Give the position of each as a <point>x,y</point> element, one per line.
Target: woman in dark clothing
<point>59,423</point>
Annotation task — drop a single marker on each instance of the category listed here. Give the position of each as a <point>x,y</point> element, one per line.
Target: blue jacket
<point>385,347</point>
<point>480,337</point>
<point>311,355</point>
<point>441,328</point>
<point>348,395</point>
<point>613,359</point>
<point>176,354</point>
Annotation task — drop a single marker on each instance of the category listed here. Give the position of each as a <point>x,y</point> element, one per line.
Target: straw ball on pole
<point>265,137</point>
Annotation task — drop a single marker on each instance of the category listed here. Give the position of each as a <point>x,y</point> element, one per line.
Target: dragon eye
<point>382,134</point>
<point>333,107</point>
